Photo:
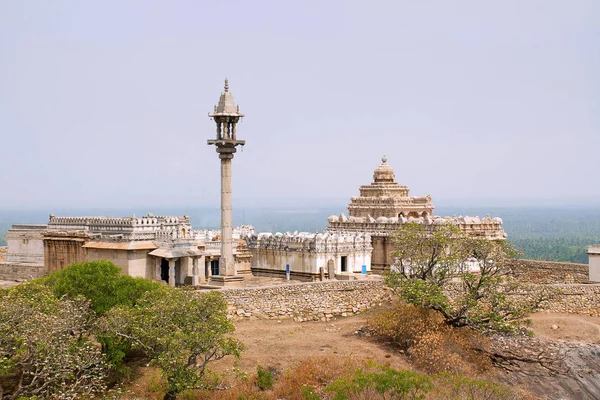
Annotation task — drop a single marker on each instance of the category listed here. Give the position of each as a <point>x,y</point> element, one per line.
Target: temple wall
<point>64,250</point>
<point>382,254</point>
<point>132,262</point>
<point>308,253</point>
<point>19,272</point>
<point>25,244</point>
<point>305,265</point>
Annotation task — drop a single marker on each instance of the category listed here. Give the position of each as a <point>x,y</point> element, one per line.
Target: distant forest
<point>550,234</point>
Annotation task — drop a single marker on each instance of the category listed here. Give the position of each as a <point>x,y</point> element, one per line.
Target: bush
<point>101,282</point>
<point>433,346</point>
<point>181,331</point>
<point>264,378</point>
<point>381,382</point>
<point>45,345</point>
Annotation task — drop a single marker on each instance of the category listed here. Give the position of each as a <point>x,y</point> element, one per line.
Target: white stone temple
<point>163,248</point>
<point>311,256</point>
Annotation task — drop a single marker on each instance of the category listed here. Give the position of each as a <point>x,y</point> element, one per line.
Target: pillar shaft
<point>195,280</point>
<point>226,266</point>
<point>172,273</point>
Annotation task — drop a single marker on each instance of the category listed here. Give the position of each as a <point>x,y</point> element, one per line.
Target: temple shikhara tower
<point>226,116</point>
<point>384,205</point>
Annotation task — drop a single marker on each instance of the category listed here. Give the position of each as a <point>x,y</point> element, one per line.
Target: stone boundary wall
<point>20,272</point>
<point>323,301</point>
<point>311,301</point>
<point>570,298</point>
<point>575,299</point>
<point>548,272</point>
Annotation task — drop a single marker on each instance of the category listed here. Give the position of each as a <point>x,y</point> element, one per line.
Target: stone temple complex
<point>166,248</point>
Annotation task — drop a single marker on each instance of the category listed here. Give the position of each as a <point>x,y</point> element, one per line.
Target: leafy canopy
<point>45,344</point>
<point>180,330</point>
<point>428,258</point>
<point>101,282</point>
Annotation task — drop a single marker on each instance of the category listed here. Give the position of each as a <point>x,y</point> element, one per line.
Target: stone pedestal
<point>220,280</point>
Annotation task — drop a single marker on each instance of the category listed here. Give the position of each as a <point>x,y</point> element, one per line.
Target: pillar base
<point>228,280</point>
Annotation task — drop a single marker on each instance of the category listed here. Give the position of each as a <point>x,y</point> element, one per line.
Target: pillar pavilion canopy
<point>226,106</point>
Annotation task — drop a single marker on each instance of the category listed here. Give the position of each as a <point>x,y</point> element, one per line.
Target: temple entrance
<point>214,267</point>
<point>164,270</point>
<point>344,263</point>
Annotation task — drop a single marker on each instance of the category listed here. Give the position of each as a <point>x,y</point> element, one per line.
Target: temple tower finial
<point>383,159</point>
<point>226,85</point>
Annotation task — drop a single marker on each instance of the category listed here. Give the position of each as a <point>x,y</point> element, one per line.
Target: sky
<point>105,103</point>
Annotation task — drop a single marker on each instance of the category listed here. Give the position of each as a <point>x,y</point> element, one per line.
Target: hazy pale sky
<point>105,103</point>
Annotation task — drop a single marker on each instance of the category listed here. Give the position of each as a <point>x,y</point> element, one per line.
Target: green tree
<point>182,331</point>
<point>101,282</point>
<point>45,346</point>
<point>428,259</point>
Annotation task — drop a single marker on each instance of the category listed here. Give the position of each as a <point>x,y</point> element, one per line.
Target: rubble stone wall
<point>548,273</point>
<point>327,300</point>
<point>307,301</point>
<point>20,272</point>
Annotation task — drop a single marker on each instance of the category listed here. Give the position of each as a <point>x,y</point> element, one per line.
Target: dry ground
<point>282,345</point>
<point>568,327</point>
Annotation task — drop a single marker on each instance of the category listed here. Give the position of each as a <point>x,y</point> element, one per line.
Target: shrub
<point>181,331</point>
<point>264,378</point>
<point>101,282</point>
<point>381,382</point>
<point>46,347</point>
<point>433,346</point>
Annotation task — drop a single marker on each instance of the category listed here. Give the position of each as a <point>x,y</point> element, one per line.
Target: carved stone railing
<point>310,242</point>
<point>382,226</point>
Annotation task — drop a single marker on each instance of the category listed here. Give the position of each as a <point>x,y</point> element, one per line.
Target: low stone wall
<point>20,271</point>
<point>569,298</point>
<point>547,272</point>
<point>307,301</point>
<point>576,299</point>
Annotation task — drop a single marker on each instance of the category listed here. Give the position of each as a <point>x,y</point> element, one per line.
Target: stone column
<point>157,269</point>
<point>195,281</point>
<point>227,265</point>
<point>172,272</point>
<point>201,270</point>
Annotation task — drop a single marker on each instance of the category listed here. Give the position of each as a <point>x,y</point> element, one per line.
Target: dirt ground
<point>568,327</point>
<point>284,344</point>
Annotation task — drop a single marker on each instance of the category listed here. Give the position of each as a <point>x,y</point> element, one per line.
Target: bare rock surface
<point>561,363</point>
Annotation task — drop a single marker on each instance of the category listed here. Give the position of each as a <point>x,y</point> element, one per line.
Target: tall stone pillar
<point>226,116</point>
<point>227,266</point>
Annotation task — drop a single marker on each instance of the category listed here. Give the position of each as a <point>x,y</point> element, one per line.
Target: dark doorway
<point>214,267</point>
<point>164,270</point>
<point>344,263</point>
